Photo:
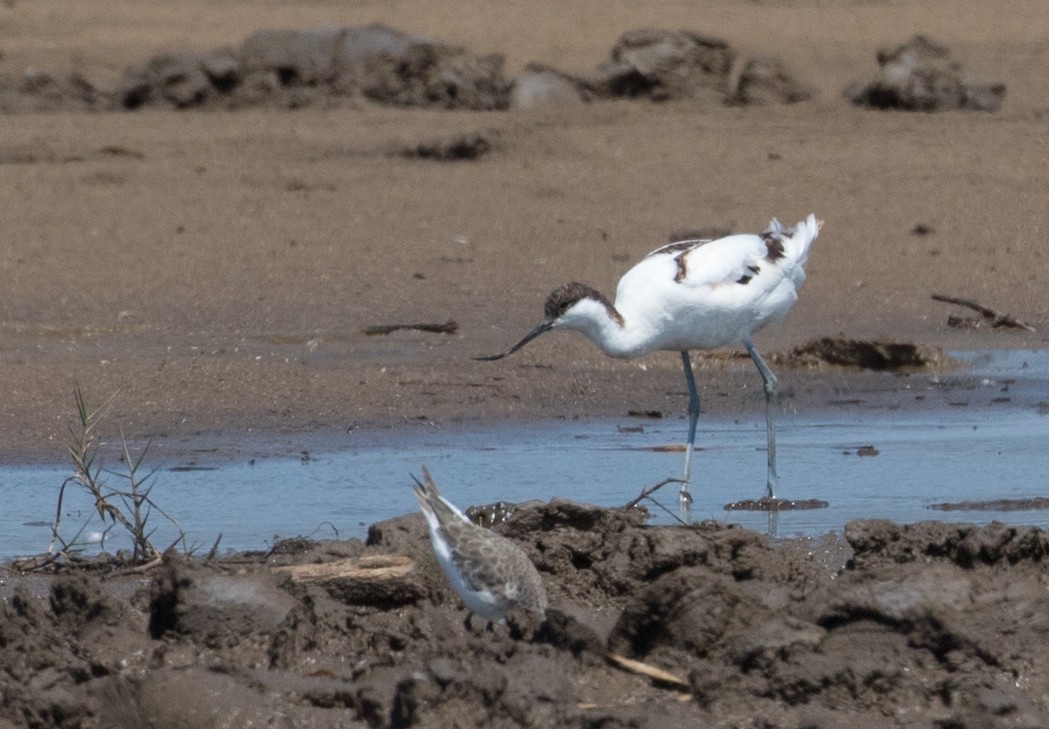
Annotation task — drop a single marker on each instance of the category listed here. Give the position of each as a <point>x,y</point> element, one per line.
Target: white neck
<point>604,326</point>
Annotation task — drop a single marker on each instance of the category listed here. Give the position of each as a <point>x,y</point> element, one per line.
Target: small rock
<point>189,599</point>
<point>303,57</point>
<point>540,86</point>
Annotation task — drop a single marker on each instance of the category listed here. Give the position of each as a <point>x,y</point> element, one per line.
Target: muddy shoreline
<point>220,271</point>
<point>921,625</point>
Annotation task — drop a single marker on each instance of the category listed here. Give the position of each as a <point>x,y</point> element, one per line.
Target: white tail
<point>796,242</point>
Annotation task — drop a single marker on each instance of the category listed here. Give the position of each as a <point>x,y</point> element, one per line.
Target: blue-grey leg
<point>684,497</point>
<point>768,379</point>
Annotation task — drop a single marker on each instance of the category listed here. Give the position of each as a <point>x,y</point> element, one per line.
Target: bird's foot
<point>684,497</point>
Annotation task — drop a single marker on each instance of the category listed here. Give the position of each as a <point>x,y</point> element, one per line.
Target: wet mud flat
<point>926,625</point>
<point>960,443</point>
<point>209,266</point>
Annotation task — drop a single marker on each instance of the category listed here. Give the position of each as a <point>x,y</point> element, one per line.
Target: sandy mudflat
<point>218,270</point>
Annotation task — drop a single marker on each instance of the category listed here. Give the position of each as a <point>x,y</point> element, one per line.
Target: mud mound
<point>339,66</point>
<point>661,65</point>
<point>929,625</point>
<point>921,75</point>
<point>965,545</point>
<point>48,649</point>
<point>321,67</point>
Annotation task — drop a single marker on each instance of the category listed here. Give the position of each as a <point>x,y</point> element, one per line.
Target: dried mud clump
<point>768,81</point>
<point>664,65</point>
<point>876,541</point>
<point>38,91</point>
<point>455,148</point>
<point>921,75</point>
<point>340,66</point>
<point>864,354</point>
<point>180,80</point>
<point>327,66</point>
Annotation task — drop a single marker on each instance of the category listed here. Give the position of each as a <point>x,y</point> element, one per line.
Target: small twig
<point>323,523</point>
<point>995,319</point>
<point>646,493</point>
<point>214,548</point>
<point>649,490</point>
<point>670,513</point>
<point>145,566</point>
<point>655,673</point>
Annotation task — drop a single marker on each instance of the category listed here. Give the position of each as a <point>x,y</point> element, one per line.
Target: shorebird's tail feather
<point>797,240</point>
<point>434,506</point>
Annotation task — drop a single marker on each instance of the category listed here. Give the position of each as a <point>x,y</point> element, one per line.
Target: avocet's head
<point>565,307</point>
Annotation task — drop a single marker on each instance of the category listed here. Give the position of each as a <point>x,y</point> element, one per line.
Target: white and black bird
<point>693,294</point>
<point>489,572</point>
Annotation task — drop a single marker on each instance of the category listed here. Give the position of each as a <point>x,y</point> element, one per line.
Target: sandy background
<point>219,269</point>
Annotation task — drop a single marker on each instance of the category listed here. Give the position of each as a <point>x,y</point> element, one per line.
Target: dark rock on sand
<point>921,75</point>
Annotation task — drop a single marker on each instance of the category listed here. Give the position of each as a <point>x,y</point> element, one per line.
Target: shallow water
<point>991,445</point>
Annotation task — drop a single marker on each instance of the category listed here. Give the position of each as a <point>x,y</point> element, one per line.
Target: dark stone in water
<point>1036,503</point>
<point>766,504</point>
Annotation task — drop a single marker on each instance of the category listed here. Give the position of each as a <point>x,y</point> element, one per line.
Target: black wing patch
<point>774,244</point>
<point>745,278</point>
<point>679,250</point>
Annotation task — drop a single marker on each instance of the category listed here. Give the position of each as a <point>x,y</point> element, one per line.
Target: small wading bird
<point>489,572</point>
<point>693,294</point>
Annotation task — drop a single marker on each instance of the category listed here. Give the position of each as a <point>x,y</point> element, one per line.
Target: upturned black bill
<point>544,327</point>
